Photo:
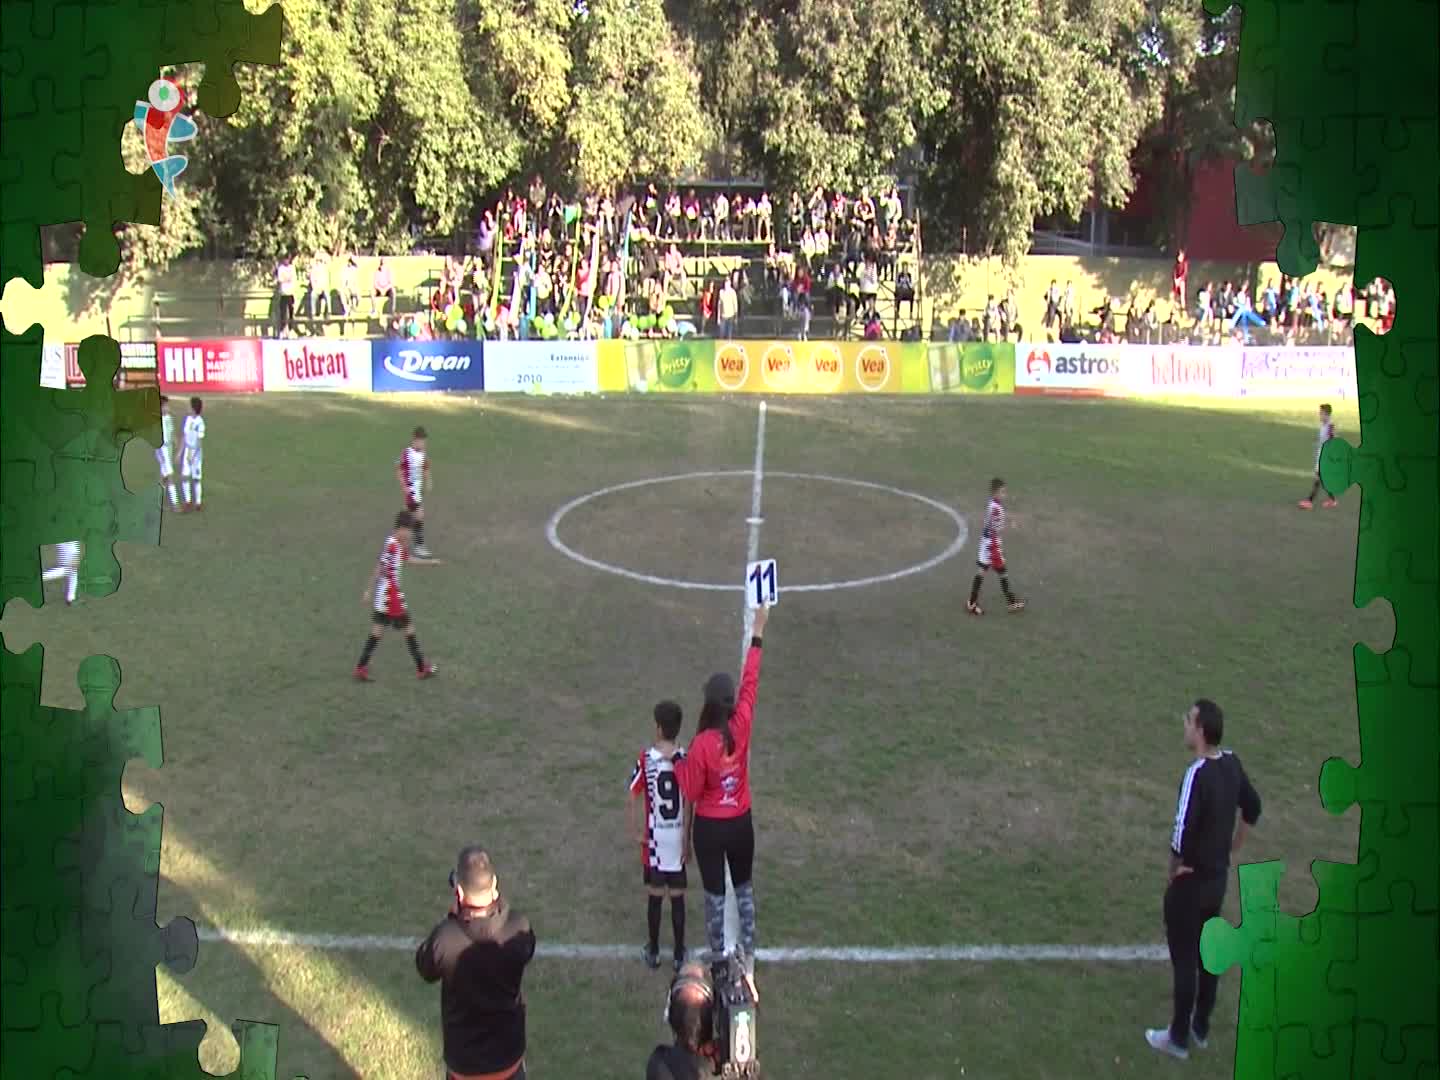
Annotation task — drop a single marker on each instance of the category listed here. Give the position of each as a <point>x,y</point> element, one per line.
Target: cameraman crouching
<point>713,1022</point>
<point>478,954</point>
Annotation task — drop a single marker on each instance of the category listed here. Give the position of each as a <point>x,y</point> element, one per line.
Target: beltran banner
<point>317,364</point>
<point>411,366</point>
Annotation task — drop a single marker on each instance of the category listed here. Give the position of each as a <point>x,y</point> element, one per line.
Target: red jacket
<point>717,784</point>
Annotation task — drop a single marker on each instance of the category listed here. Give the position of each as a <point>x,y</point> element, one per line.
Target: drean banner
<point>542,367</point>
<point>317,364</point>
<point>755,367</point>
<point>970,368</point>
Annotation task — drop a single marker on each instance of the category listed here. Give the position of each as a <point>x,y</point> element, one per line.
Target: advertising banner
<point>665,366</point>
<point>137,365</point>
<point>420,366</point>
<point>1298,373</point>
<point>1182,371</point>
<point>972,367</point>
<point>1083,370</point>
<point>52,367</point>
<point>316,364</point>
<point>542,367</point>
<point>213,367</point>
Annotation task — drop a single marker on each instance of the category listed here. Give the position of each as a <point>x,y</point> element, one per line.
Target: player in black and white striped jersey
<point>664,836</point>
<point>1327,432</point>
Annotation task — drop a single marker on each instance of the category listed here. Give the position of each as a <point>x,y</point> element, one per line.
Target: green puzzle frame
<point>1349,990</point>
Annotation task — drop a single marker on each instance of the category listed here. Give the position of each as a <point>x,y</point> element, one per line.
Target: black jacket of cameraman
<point>479,957</point>
<point>677,1063</point>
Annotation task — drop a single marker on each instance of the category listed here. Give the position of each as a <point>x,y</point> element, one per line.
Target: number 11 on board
<point>762,584</point>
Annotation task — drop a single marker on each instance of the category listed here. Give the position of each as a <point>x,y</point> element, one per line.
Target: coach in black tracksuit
<point>478,954</point>
<point>1213,789</point>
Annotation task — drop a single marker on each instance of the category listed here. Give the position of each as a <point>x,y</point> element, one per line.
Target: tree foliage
<point>392,117</point>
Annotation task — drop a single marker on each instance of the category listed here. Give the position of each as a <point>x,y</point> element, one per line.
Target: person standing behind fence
<point>478,954</point>
<point>715,777</point>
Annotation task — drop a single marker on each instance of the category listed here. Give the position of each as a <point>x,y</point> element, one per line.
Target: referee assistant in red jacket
<point>715,778</point>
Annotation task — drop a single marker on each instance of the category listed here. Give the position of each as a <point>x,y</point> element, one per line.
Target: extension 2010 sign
<point>420,366</point>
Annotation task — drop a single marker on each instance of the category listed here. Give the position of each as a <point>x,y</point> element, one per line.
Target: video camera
<point>734,1025</point>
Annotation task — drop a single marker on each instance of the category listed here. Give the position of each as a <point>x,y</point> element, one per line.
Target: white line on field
<point>800,954</point>
<point>747,619</point>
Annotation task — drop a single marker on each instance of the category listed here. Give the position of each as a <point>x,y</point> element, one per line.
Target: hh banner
<point>317,364</point>
<point>971,368</point>
<point>426,365</point>
<point>214,367</point>
<point>542,367</point>
<point>1298,373</point>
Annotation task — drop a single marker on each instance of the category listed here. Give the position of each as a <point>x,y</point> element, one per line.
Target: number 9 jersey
<point>654,775</point>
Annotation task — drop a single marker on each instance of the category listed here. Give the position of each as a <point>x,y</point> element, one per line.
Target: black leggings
<point>721,840</point>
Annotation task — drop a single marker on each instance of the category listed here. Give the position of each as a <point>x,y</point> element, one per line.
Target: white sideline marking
<point>747,623</point>
<point>552,533</point>
<point>800,954</point>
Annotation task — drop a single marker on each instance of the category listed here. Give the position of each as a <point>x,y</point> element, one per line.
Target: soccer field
<point>921,779</point>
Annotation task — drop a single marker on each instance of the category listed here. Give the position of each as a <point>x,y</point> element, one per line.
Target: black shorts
<point>397,622</point>
<point>666,879</point>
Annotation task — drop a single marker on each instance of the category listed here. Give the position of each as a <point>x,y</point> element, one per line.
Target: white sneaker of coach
<point>1159,1039</point>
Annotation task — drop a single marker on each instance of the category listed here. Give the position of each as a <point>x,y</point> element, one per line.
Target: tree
<point>1198,55</point>
<point>1047,104</point>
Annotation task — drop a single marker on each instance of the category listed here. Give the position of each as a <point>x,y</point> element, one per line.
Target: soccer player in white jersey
<point>387,602</point>
<point>67,566</point>
<point>664,837</point>
<point>992,552</point>
<point>165,456</point>
<point>192,453</point>
<point>413,469</point>
<point>1327,432</point>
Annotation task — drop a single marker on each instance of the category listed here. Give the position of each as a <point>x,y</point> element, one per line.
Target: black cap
<point>720,690</point>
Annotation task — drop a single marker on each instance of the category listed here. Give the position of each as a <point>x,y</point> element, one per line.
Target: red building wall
<point>1213,233</point>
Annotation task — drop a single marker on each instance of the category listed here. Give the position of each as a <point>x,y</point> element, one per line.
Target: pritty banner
<point>973,367</point>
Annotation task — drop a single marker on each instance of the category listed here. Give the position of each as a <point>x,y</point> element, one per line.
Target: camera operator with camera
<point>712,1017</point>
<point>478,954</point>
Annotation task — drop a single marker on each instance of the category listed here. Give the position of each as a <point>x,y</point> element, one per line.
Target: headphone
<point>684,981</point>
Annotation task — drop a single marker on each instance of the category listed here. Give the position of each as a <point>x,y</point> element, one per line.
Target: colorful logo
<point>160,123</point>
<point>977,368</point>
<point>829,367</point>
<point>675,366</point>
<point>732,366</point>
<point>778,367</point>
<point>872,368</point>
<point>1037,360</point>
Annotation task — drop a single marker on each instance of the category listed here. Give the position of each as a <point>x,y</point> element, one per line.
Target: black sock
<point>975,588</point>
<point>1005,588</point>
<point>419,534</point>
<point>414,647</point>
<point>1315,488</point>
<point>369,650</point>
<point>652,917</point>
<point>677,923</point>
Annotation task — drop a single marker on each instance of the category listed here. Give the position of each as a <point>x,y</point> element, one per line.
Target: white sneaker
<point>1159,1039</point>
<point>1197,1042</point>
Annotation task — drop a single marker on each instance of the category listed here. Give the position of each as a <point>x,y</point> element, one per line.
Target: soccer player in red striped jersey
<point>413,469</point>
<point>388,602</point>
<point>992,552</point>
<point>665,839</point>
<point>1327,432</point>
